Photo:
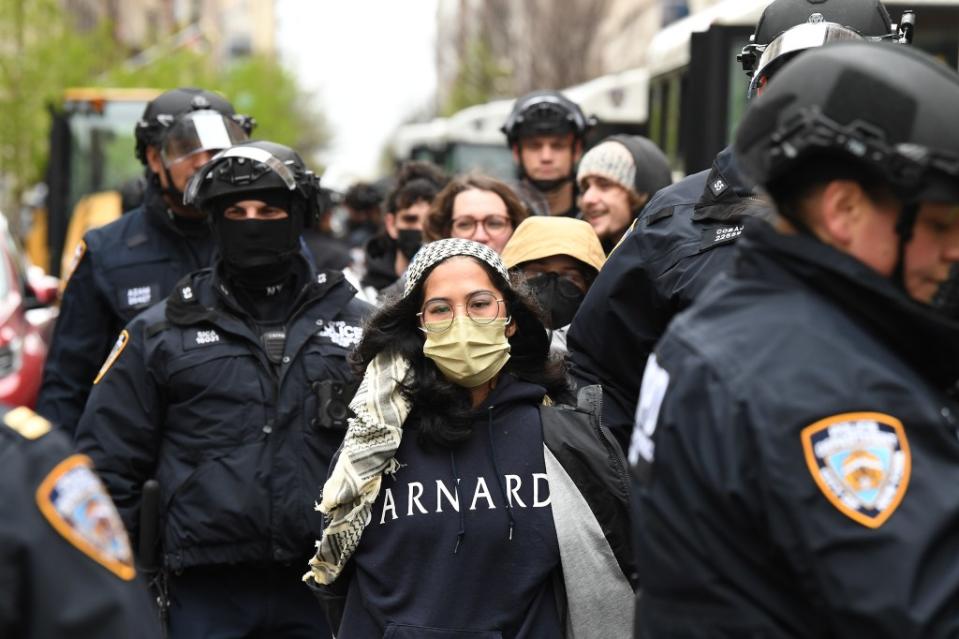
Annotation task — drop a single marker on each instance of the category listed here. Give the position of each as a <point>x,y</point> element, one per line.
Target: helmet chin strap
<point>171,192</point>
<point>904,229</point>
<point>545,186</point>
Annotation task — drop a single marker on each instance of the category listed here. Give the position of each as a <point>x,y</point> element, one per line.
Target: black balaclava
<point>258,253</point>
<point>557,296</point>
<point>409,241</point>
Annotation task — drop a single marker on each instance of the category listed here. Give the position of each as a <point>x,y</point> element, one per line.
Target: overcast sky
<point>371,64</point>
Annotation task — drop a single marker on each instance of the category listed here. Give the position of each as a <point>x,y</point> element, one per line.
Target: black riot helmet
<point>890,109</point>
<point>882,110</point>
<point>163,112</point>
<point>256,252</point>
<point>787,27</point>
<point>545,113</point>
<point>255,169</point>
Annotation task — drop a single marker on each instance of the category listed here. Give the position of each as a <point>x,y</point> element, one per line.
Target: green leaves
<point>45,52</point>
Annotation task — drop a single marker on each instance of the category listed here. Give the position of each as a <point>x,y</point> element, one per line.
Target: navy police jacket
<point>120,270</point>
<point>66,567</point>
<point>189,396</point>
<point>797,448</point>
<point>681,240</point>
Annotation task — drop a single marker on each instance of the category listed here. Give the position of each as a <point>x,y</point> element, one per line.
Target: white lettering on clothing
<point>537,503</point>
<point>388,504</point>
<point>138,295</point>
<point>207,337</point>
<point>453,499</point>
<point>482,491</point>
<point>416,491</point>
<point>512,492</point>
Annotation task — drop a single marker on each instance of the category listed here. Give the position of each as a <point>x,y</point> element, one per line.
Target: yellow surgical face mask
<point>469,354</point>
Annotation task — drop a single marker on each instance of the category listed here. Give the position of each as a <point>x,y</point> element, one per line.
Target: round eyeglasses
<point>482,307</point>
<point>493,225</point>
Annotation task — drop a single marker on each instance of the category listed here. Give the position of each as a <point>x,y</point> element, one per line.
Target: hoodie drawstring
<point>499,477</point>
<point>456,487</point>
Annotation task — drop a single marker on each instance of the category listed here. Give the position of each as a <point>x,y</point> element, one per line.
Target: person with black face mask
<point>132,263</point>
<point>389,253</point>
<point>231,394</point>
<point>560,258</point>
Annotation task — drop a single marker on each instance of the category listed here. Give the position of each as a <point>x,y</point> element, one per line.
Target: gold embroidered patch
<point>76,504</point>
<point>861,463</point>
<point>111,359</point>
<point>27,423</point>
<point>78,254</point>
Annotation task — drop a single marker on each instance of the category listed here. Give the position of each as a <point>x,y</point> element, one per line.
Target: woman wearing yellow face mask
<point>499,517</point>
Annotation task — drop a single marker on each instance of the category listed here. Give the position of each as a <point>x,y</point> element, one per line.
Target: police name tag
<point>720,235</point>
<point>76,504</point>
<point>137,297</point>
<point>861,462</point>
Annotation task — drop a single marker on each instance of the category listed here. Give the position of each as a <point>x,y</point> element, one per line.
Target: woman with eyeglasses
<point>460,505</point>
<point>476,207</point>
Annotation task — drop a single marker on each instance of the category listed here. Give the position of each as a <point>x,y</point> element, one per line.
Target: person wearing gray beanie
<point>616,178</point>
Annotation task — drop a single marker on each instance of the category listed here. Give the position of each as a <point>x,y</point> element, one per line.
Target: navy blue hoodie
<point>436,562</point>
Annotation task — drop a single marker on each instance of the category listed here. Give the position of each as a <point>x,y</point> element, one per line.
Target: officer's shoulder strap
<point>156,327</point>
<point>656,216</point>
<point>25,422</point>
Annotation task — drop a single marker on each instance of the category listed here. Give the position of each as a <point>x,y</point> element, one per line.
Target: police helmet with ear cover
<point>251,168</point>
<point>164,110</point>
<point>545,113</point>
<point>887,108</point>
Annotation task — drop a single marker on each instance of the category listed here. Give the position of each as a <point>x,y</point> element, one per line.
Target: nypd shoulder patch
<point>111,359</point>
<point>861,462</point>
<point>75,503</point>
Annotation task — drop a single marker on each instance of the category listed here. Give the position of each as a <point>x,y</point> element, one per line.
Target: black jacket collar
<point>921,336</point>
<point>203,296</point>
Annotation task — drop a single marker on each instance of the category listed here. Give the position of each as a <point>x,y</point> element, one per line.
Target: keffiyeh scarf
<point>368,450</point>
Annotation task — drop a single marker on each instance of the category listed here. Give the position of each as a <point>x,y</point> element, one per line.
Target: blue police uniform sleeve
<point>693,471</point>
<point>82,337</point>
<point>59,572</point>
<point>608,343</point>
<point>120,425</point>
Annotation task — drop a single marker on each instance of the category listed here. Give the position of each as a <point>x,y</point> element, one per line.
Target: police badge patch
<point>861,462</point>
<point>76,504</point>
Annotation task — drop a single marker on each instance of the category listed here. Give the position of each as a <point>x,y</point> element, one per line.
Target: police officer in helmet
<point>66,567</point>
<point>545,131</point>
<point>132,263</point>
<point>686,234</point>
<point>796,433</point>
<point>232,393</point>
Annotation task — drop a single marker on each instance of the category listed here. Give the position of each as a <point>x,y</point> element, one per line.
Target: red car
<point>27,315</point>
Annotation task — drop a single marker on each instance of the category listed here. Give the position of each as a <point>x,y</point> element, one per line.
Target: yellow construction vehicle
<point>91,159</point>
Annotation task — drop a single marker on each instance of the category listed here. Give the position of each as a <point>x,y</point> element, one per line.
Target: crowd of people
<point>585,403</point>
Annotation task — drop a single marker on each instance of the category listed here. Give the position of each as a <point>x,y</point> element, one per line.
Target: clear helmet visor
<point>790,42</point>
<point>199,131</point>
<point>260,162</point>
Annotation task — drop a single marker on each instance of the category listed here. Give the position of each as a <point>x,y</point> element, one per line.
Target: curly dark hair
<point>416,181</point>
<point>442,409</point>
<point>439,221</point>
